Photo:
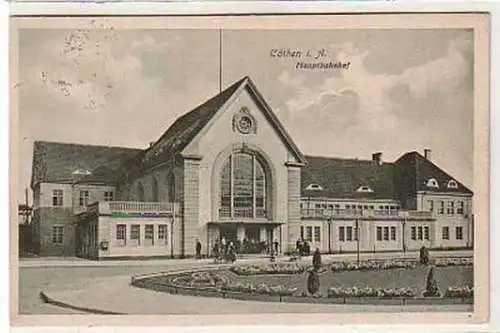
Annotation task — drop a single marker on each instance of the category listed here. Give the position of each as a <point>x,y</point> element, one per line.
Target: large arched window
<point>242,187</point>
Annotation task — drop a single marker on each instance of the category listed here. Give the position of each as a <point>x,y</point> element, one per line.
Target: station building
<point>229,169</point>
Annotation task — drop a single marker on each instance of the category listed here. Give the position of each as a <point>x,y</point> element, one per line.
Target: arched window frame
<point>452,184</point>
<point>259,207</point>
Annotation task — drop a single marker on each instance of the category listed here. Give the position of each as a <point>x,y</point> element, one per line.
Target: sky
<point>400,90</point>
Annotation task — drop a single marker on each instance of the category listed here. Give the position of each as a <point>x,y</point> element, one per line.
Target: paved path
<point>79,262</point>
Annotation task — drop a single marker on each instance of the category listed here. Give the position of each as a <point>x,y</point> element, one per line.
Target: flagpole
<point>220,60</point>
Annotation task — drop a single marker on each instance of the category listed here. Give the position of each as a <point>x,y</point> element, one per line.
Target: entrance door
<point>229,233</point>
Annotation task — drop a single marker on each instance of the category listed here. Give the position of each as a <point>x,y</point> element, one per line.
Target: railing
<point>242,212</point>
<point>107,207</point>
<point>332,213</point>
<point>134,206</point>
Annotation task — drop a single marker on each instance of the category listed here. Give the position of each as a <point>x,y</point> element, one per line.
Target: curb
<point>49,300</point>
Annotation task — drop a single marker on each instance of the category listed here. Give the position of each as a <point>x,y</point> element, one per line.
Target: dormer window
<point>314,187</point>
<point>82,172</point>
<point>365,189</point>
<point>452,184</point>
<point>432,183</point>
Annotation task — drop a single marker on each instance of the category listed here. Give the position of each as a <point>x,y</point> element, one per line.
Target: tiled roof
<point>56,162</point>
<point>418,171</point>
<point>185,128</point>
<point>341,178</point>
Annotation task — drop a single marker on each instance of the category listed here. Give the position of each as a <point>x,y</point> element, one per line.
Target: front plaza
<point>229,170</point>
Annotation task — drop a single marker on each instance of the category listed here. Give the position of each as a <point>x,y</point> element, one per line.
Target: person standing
<point>198,249</point>
<point>316,260</point>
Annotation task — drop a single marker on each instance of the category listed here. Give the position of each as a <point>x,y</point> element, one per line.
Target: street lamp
<point>405,216</point>
<point>357,239</point>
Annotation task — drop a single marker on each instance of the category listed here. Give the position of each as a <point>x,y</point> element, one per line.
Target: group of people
<point>303,247</point>
<point>224,251</point>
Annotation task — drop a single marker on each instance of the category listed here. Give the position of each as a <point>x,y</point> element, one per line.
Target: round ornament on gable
<point>244,122</point>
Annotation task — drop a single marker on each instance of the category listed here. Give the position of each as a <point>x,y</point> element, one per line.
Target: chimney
<point>427,153</point>
<point>377,157</point>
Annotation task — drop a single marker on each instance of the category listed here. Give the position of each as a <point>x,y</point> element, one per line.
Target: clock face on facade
<point>244,122</point>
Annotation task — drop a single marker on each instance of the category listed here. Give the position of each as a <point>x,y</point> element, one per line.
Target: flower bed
<point>271,268</point>
<point>459,292</point>
<point>442,262</point>
<point>260,288</point>
<point>370,292</point>
<point>370,265</point>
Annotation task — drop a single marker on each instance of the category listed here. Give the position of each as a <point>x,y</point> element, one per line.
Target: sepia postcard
<point>203,170</point>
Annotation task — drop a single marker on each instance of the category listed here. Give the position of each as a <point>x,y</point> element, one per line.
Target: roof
<point>187,127</point>
<point>56,162</point>
<point>418,170</point>
<point>341,178</point>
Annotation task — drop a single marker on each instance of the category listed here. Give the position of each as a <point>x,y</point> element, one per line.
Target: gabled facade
<point>228,169</point>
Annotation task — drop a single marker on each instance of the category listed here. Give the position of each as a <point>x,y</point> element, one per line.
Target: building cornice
<point>295,164</point>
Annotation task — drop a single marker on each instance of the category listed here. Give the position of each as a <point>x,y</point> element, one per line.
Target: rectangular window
<point>57,198</point>
<point>420,233</point>
<point>341,234</point>
<point>459,233</point>
<point>414,233</point>
<point>108,195</point>
<point>135,234</point>
<point>450,210</point>
<point>302,232</point>
<point>393,233</point>
<point>460,208</point>
<point>430,204</point>
<point>317,234</point>
<point>57,234</point>
<point>426,233</point>
<point>441,208</point>
<point>309,234</point>
<point>349,234</point>
<point>149,234</point>
<point>445,233</point>
<point>121,234</point>
<point>379,234</point>
<point>386,233</point>
<point>84,198</point>
<point>163,234</point>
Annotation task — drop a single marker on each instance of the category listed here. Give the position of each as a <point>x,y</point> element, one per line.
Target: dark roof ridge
<point>354,159</point>
<point>83,145</point>
<point>193,110</point>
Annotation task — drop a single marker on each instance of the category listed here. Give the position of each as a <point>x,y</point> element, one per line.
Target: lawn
<point>452,276</point>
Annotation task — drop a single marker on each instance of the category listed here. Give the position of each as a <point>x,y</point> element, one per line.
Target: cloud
<point>444,74</point>
<point>375,103</point>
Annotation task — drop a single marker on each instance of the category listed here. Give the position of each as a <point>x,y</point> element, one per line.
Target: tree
<point>432,289</point>
<point>312,282</point>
